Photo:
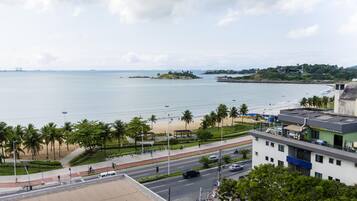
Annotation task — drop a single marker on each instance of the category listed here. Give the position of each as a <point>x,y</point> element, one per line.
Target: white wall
<point>272,152</point>
<point>347,172</point>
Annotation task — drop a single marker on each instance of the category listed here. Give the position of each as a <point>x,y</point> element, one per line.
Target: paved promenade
<point>121,163</point>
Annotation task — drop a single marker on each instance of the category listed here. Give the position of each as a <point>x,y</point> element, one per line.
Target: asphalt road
<point>188,189</point>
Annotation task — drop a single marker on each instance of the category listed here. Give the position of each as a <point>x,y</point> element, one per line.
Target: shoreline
<point>230,80</point>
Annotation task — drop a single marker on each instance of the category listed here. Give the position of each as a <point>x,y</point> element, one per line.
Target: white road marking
<point>162,191</point>
<point>157,186</point>
<point>181,180</point>
<point>190,184</point>
<point>206,174</point>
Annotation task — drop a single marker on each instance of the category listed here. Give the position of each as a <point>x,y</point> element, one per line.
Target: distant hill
<point>230,72</point>
<point>303,73</point>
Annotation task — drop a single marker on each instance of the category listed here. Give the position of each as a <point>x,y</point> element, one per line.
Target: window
<point>318,175</point>
<point>272,160</point>
<point>330,178</point>
<point>256,153</point>
<point>338,162</point>
<point>280,163</point>
<point>319,158</point>
<point>338,180</point>
<point>266,158</point>
<point>272,144</point>
<point>281,147</point>
<point>267,143</point>
<point>315,134</point>
<point>330,160</point>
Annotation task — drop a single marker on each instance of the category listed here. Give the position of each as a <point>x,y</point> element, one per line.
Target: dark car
<point>191,174</point>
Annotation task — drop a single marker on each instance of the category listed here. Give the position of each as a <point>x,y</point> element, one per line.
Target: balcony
<point>275,134</point>
<point>299,163</point>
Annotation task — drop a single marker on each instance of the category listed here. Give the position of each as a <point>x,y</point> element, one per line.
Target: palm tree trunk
<point>67,146</point>
<point>54,150</point>
<point>2,150</point>
<point>47,151</point>
<point>59,150</point>
<point>118,141</point>
<point>232,121</point>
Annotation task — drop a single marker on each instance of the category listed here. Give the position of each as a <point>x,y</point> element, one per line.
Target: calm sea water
<point>40,97</point>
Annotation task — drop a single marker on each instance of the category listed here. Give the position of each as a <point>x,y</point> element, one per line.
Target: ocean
<point>40,97</point>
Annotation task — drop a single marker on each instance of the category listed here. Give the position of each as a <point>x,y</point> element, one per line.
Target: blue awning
<point>299,163</point>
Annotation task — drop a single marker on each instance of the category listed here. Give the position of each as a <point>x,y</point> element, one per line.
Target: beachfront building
<point>346,98</point>
<point>314,142</point>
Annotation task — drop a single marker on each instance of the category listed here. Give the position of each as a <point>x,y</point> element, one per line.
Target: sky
<point>175,34</point>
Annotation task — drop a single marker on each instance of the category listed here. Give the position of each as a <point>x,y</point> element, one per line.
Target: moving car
<point>236,167</point>
<point>190,174</point>
<point>213,158</point>
<point>107,174</point>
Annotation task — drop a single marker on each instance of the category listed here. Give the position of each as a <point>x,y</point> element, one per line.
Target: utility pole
<point>169,198</point>
<point>200,195</point>
<point>168,146</point>
<point>220,165</point>
<point>142,140</point>
<point>14,150</point>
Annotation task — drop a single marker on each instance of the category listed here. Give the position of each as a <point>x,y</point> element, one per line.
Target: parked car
<point>190,174</point>
<point>236,167</point>
<point>107,174</point>
<point>213,158</point>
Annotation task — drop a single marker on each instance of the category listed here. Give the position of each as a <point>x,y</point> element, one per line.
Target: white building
<point>313,142</point>
<point>346,99</point>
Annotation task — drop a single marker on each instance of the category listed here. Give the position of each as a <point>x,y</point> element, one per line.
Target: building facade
<point>346,99</point>
<point>316,143</point>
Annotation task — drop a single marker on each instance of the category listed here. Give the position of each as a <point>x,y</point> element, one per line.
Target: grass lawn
<point>101,155</point>
<point>34,167</point>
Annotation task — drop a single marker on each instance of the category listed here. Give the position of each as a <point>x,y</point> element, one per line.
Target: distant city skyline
<point>175,34</point>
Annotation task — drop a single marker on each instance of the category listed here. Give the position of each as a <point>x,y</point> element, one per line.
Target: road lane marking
<point>190,184</point>
<point>181,180</point>
<point>157,186</point>
<point>206,174</point>
<point>162,191</point>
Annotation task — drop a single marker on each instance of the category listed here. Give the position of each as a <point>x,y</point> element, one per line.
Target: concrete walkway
<point>124,162</point>
<point>65,161</point>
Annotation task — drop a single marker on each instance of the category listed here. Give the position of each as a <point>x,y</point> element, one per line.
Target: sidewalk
<point>121,163</point>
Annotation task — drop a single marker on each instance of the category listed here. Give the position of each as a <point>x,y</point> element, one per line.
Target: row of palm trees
<point>317,102</point>
<point>216,117</point>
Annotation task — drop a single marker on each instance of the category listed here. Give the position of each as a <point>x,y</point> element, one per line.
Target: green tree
<point>15,135</point>
<point>213,119</point>
<point>119,131</point>
<point>243,110</point>
<point>325,101</point>
<point>67,131</point>
<point>233,113</point>
<point>187,117</point>
<point>205,123</point>
<point>32,140</point>
<point>152,120</point>
<point>105,134</point>
<point>136,127</point>
<point>204,135</point>
<point>60,139</point>
<point>310,102</point>
<point>52,135</point>
<point>204,160</point>
<point>303,102</point>
<point>87,134</point>
<point>222,113</point>
<point>3,139</point>
<point>244,152</point>
<point>228,190</point>
<point>45,131</point>
<point>227,159</point>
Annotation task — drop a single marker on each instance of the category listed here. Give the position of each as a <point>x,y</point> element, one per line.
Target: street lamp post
<point>168,142</point>
<point>70,175</point>
<point>14,150</point>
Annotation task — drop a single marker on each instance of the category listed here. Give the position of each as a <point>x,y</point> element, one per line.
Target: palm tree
<point>303,102</point>
<point>60,139</point>
<point>187,117</point>
<point>222,113</point>
<point>233,113</point>
<point>53,136</point>
<point>32,140</point>
<point>3,139</point>
<point>153,120</point>
<point>243,110</point>
<point>310,102</point>
<point>105,134</point>
<point>213,118</point>
<point>325,101</point>
<point>119,131</point>
<point>136,127</point>
<point>45,131</point>
<point>244,152</point>
<point>15,136</point>
<point>67,131</point>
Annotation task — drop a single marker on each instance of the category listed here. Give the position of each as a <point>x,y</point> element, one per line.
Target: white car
<point>107,174</point>
<point>236,167</point>
<point>213,158</point>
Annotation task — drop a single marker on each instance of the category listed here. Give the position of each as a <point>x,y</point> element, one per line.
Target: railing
<point>276,129</point>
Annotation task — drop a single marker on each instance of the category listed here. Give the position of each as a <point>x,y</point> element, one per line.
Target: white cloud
<point>135,58</point>
<point>350,26</point>
<point>303,32</point>
<point>45,58</point>
<point>77,11</point>
<point>297,5</point>
<point>230,17</point>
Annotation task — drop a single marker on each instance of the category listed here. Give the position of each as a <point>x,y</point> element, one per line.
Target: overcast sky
<point>161,34</point>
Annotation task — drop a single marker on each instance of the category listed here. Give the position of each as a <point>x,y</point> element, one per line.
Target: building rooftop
<point>114,188</point>
<point>320,119</point>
